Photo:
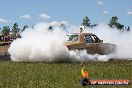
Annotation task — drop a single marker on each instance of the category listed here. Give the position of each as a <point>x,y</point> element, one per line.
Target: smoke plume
<point>39,44</point>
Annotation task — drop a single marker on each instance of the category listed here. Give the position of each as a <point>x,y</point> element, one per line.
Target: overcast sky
<point>31,12</point>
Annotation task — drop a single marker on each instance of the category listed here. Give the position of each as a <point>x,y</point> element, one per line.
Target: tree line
<point>14,29</point>
<point>113,24</point>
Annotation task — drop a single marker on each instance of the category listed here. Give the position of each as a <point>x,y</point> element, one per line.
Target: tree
<point>50,28</point>
<point>119,26</point>
<point>0,30</point>
<point>128,29</point>
<point>15,28</point>
<point>115,23</point>
<point>86,22</point>
<point>5,30</point>
<point>63,26</point>
<point>24,27</point>
<point>93,25</point>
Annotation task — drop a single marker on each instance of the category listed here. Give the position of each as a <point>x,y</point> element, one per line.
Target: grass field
<point>61,75</point>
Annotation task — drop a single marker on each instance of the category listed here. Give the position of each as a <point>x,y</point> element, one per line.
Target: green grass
<point>61,75</point>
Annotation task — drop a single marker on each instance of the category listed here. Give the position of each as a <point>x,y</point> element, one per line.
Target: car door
<point>92,44</point>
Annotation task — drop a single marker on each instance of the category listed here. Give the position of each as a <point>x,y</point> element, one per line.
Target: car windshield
<point>72,38</point>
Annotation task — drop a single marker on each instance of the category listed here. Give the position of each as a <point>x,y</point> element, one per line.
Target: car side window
<point>88,39</point>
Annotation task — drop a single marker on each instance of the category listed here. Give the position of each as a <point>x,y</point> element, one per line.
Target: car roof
<point>81,33</point>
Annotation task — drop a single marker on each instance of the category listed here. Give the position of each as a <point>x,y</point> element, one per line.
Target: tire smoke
<point>39,44</point>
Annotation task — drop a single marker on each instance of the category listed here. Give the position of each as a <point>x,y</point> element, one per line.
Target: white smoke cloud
<point>83,56</point>
<point>42,45</point>
<point>39,44</point>
<point>44,16</point>
<point>26,16</point>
